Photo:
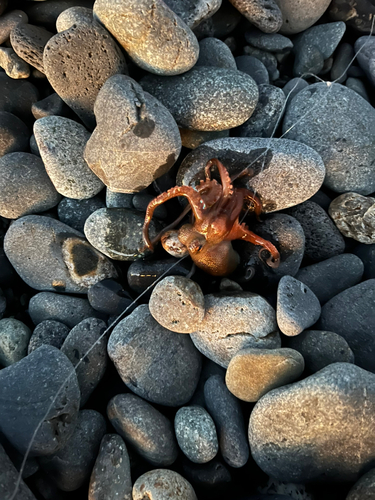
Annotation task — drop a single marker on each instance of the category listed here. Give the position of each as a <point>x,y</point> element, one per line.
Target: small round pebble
<point>49,106</point>
<point>9,21</point>
<point>13,65</point>
<point>254,68</point>
<point>162,484</point>
<point>14,135</point>
<point>74,213</point>
<point>14,339</point>
<point>214,52</point>
<point>109,297</point>
<point>73,15</point>
<point>177,303</point>
<point>196,434</point>
<point>28,41</point>
<point>48,332</point>
<point>264,14</point>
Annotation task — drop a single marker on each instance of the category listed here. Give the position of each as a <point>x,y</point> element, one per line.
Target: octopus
<point>216,209</point>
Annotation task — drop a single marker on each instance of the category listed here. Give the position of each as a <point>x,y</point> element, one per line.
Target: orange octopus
<point>216,210</point>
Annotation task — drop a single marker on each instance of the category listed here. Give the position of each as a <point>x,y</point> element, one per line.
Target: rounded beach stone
<point>226,412</point>
<point>254,68</point>
<point>9,478</point>
<point>61,143</point>
<point>221,24</point>
<point>75,212</point>
<point>297,306</point>
<point>118,200</point>
<point>312,416</point>
<point>50,256</point>
<point>27,389</point>
<point>332,276</point>
<point>177,303</point>
<point>147,430</point>
<point>206,98</point>
<point>214,52</point>
<point>292,88</point>
<point>342,62</point>
<point>193,13</point>
<point>169,48</point>
<point>298,16</point>
<point>162,484</point>
<point>48,332</point>
<point>344,141</point>
<point>87,335</point>
<point>366,56</point>
<point>267,58</point>
<point>110,477</point>
<point>14,135</point>
<point>141,273</point>
<point>13,65</point>
<point>77,62</point>
<point>366,253</point>
<point>193,138</point>
<point>28,41</point>
<point>109,297</point>
<point>164,376</point>
<point>196,434</point>
<point>364,488</point>
<point>9,21</point>
<point>50,106</point>
<point>14,338</point>
<point>358,86</point>
<point>71,466</point>
<point>264,14</point>
<point>17,97</point>
<point>321,348</point>
<point>63,308</point>
<point>270,163</point>
<point>252,373</point>
<point>73,15</point>
<point>272,42</point>
<point>136,139</point>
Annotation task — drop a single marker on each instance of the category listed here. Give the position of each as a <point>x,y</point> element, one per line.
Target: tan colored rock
<point>13,65</point>
<point>299,15</point>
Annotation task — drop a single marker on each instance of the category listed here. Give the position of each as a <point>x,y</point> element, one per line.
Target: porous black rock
<point>28,41</point>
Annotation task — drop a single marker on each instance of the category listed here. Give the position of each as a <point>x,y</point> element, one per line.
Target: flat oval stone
<point>77,62</point>
<point>272,42</point>
<point>48,332</point>
<point>61,143</point>
<point>194,13</point>
<point>14,338</point>
<point>299,16</point>
<point>9,21</point>
<point>136,139</point>
<point>14,135</point>
<point>162,484</point>
<point>304,416</point>
<point>206,98</point>
<point>270,163</point>
<point>164,376</point>
<point>169,48</point>
<point>214,52</point>
<point>264,14</point>
<point>28,41</point>
<point>13,65</point>
<point>50,256</point>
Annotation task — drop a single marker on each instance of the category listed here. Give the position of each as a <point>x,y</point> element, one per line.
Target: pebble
<point>252,373</point>
<point>117,232</point>
<point>298,16</point>
<point>367,255</point>
<point>162,484</point>
<point>210,480</point>
<point>196,434</point>
<point>342,62</point>
<point>75,212</point>
<point>323,239</point>
<point>332,276</point>
<point>271,42</point>
<point>109,297</point>
<point>358,86</point>
<point>49,106</point>
<point>169,48</point>
<point>147,430</point>
<point>267,114</point>
<point>85,336</point>
<point>354,216</point>
<point>9,21</point>
<point>350,314</point>
<point>13,65</point>
<point>118,200</point>
<point>364,488</point>
<point>344,141</point>
<point>14,135</point>
<point>9,479</point>
<point>206,98</point>
<point>17,97</point>
<point>264,14</point>
<point>294,86</point>
<point>226,412</point>
<point>145,135</point>
<point>142,274</point>
<point>71,466</point>
<point>63,308</point>
<point>137,348</point>
<point>194,13</point>
<point>110,477</point>
<point>48,332</point>
<point>25,187</point>
<point>297,307</point>
<point>312,416</point>
<point>269,60</point>
<point>14,338</point>
<point>141,200</point>
<point>61,143</point>
<point>50,256</point>
<point>271,162</point>
<point>46,14</point>
<point>221,24</point>
<point>28,41</point>
<point>177,303</point>
<point>73,15</point>
<point>254,68</point>
<point>214,52</point>
<point>27,388</point>
<point>77,62</point>
<point>321,348</point>
<point>355,13</point>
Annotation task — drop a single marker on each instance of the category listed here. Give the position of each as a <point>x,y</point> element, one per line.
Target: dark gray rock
<point>109,297</point>
<point>17,97</point>
<point>366,56</point>
<point>48,332</point>
<point>137,348</point>
<point>221,24</point>
<point>110,476</point>
<point>332,276</point>
<point>14,135</point>
<point>292,88</point>
<point>272,42</point>
<point>160,484</point>
<point>141,201</point>
<point>193,138</point>
<point>77,62</point>
<point>74,213</point>
<point>74,15</point>
<point>263,14</point>
<point>342,62</point>
<point>322,199</point>
<point>367,255</point>
<point>254,68</point>
<point>209,480</point>
<point>355,13</point>
<point>9,21</point>
<point>194,12</point>
<point>358,86</point>
<point>118,200</point>
<point>46,14</point>
<point>41,389</point>
<point>226,412</point>
<point>9,480</point>
<point>14,339</point>
<point>142,274</point>
<point>71,466</point>
<point>364,488</point>
<point>3,303</point>
<point>28,42</point>
<point>315,400</point>
<point>52,105</point>
<point>214,52</point>
<point>147,430</point>
<point>267,58</point>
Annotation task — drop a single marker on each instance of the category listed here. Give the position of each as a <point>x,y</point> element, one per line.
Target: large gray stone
<point>298,16</point>
<point>162,484</point>
<point>193,12</point>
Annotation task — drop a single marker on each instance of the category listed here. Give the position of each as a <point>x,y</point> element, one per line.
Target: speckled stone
<point>221,24</point>
<point>162,484</point>
<point>110,476</point>
<point>358,86</point>
<point>61,143</point>
<point>118,200</point>
<point>193,138</point>
<point>9,477</point>
<point>9,21</point>
<point>312,416</point>
<point>177,303</point>
<point>364,488</point>
<point>14,135</point>
<point>342,62</point>
<point>75,212</point>
<point>13,65</point>
<point>206,98</point>
<point>345,142</point>
<point>25,187</point>
<point>214,52</point>
<point>254,68</point>
<point>136,139</point>
<point>267,58</point>
<point>169,48</point>
<point>194,12</point>
<point>77,62</point>
<point>164,376</point>
<point>14,338</point>
<point>48,332</point>
<point>28,41</point>
<point>292,88</point>
<point>264,14</point>
<point>147,430</point>
<point>298,16</point>
<point>366,56</point>
<point>196,434</point>
<point>17,97</point>
<point>252,373</point>
<point>272,42</point>
<point>73,15</point>
<point>270,163</point>
<point>50,256</point>
<point>49,106</point>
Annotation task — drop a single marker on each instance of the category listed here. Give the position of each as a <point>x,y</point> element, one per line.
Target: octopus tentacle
<point>224,176</point>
